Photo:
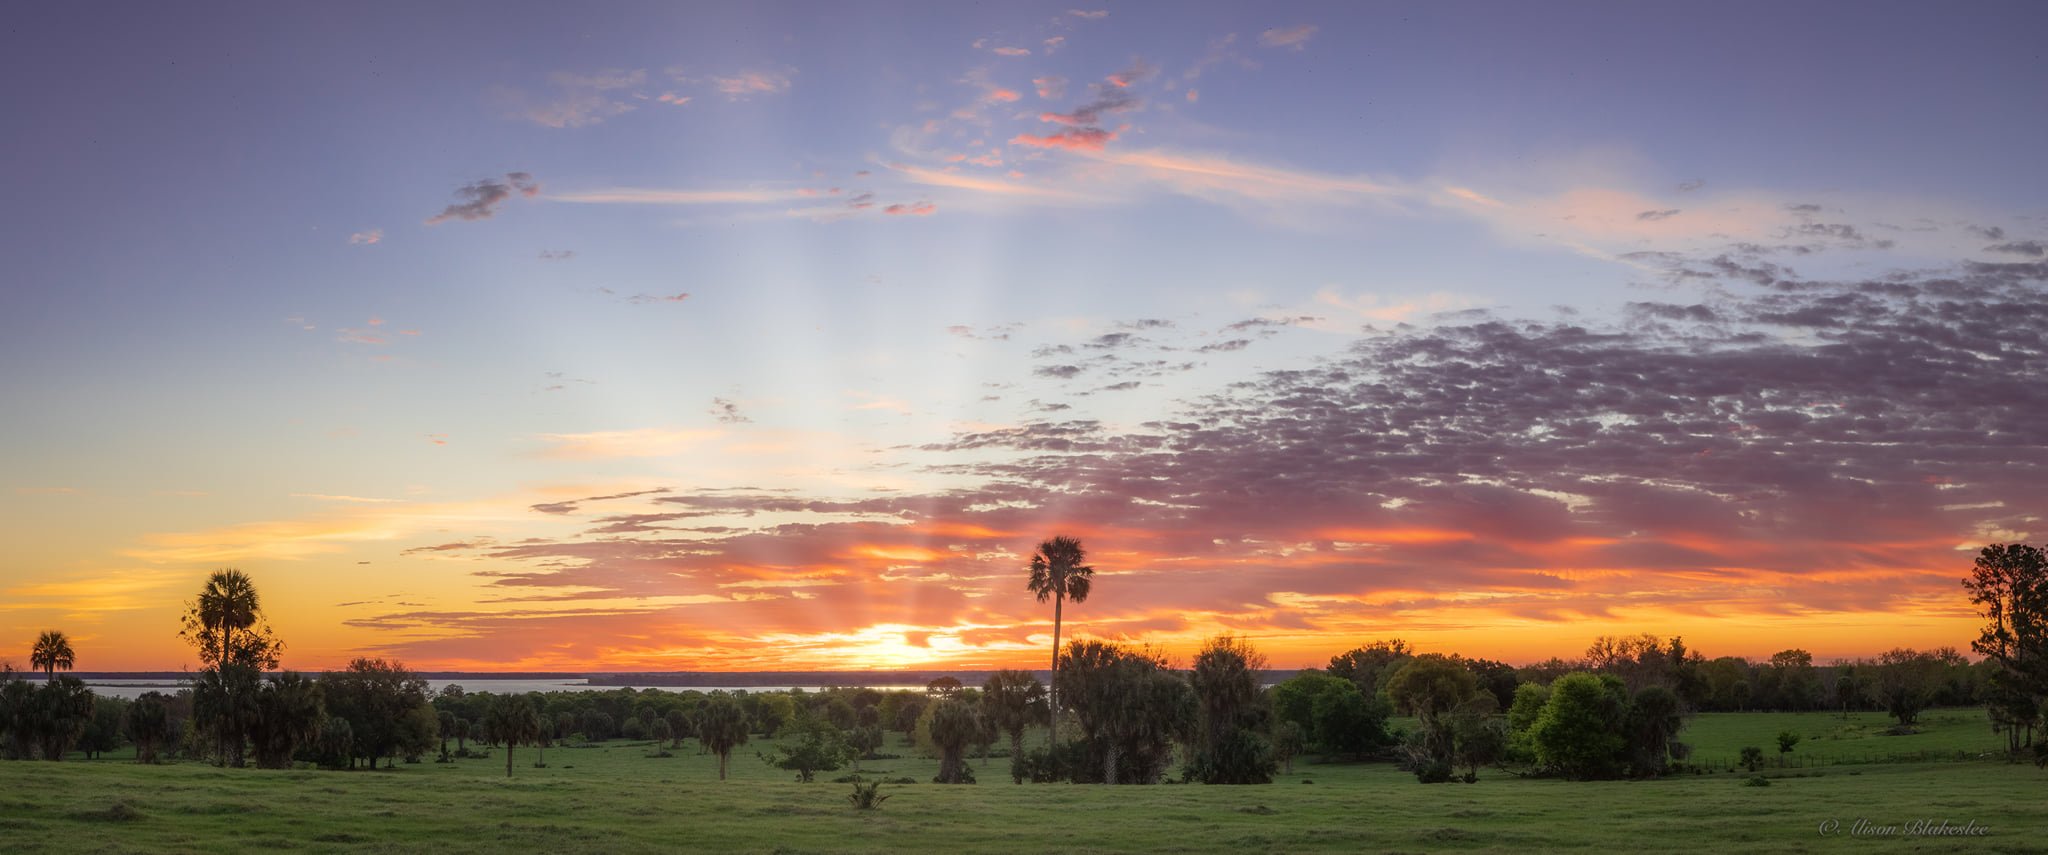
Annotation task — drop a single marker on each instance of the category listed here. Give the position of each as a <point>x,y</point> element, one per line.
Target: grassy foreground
<point>615,797</point>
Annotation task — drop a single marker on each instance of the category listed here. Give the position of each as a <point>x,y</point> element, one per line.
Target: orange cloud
<point>1086,139</point>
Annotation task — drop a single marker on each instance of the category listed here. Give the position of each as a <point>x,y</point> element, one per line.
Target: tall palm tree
<point>52,651</point>
<point>512,721</point>
<point>1058,574</point>
<point>227,603</point>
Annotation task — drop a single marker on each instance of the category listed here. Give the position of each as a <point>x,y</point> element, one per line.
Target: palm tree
<point>1010,701</point>
<point>954,724</point>
<point>52,651</point>
<point>1057,573</point>
<point>512,721</point>
<point>227,603</point>
<point>722,724</point>
<point>287,716</point>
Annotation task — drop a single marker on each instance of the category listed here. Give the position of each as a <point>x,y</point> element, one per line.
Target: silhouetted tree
<point>954,724</point>
<point>512,722</point>
<point>1010,701</point>
<point>1059,574</point>
<point>226,623</point>
<point>63,709</point>
<point>287,717</point>
<point>1131,709</point>
<point>1904,682</point>
<point>678,727</point>
<point>722,725</point>
<point>1370,666</point>
<point>1231,714</point>
<point>1430,687</point>
<point>51,651</point>
<point>149,725</point>
<point>2009,585</point>
<point>224,702</point>
<point>376,697</point>
<point>103,732</point>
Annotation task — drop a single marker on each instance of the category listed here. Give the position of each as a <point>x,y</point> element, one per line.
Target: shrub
<point>1787,739</point>
<point>1752,757</point>
<point>1756,781</point>
<point>866,796</point>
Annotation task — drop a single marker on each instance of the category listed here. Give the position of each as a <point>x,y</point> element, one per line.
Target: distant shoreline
<point>679,679</point>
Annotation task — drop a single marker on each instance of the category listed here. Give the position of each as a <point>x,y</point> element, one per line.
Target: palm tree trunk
<point>1053,689</point>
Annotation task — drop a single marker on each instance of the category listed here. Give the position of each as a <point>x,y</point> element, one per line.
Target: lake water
<point>131,689</point>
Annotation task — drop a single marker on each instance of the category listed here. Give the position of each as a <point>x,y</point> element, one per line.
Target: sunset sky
<point>673,336</point>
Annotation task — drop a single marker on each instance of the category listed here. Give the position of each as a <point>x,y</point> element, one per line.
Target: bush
<point>1434,771</point>
<point>1787,739</point>
<point>866,796</point>
<point>1752,757</point>
<point>1756,781</point>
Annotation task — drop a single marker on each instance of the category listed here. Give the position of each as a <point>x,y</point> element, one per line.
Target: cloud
<point>1090,139</point>
<point>1054,44</point>
<point>1011,51</point>
<point>1111,101</point>
<point>728,412</point>
<point>919,209</point>
<point>1137,73</point>
<point>1095,15</point>
<point>2034,248</point>
<point>1291,38</point>
<point>1050,87</point>
<point>639,299</point>
<point>747,84</point>
<point>579,99</point>
<point>1654,216</point>
<point>557,254</point>
<point>480,200</point>
<point>366,238</point>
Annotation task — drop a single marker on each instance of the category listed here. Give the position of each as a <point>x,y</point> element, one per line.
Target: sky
<point>514,336</point>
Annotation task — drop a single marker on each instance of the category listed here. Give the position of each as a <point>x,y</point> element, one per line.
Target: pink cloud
<point>366,238</point>
<point>1050,87</point>
<point>920,209</point>
<point>673,98</point>
<point>1090,139</point>
<point>1194,95</point>
<point>1291,38</point>
<point>1004,95</point>
<point>747,83</point>
<point>1012,51</point>
<point>1095,15</point>
<point>1054,43</point>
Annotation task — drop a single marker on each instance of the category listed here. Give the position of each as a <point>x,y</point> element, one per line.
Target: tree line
<point>1123,713</point>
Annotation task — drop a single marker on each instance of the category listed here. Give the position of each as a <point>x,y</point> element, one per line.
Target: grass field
<point>615,798</point>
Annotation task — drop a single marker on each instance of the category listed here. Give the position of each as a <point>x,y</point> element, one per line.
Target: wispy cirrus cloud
<point>576,99</point>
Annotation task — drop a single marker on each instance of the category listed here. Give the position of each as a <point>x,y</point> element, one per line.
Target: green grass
<point>1828,738</point>
<point>614,798</point>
